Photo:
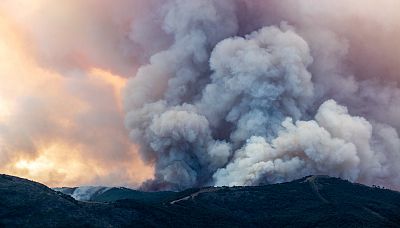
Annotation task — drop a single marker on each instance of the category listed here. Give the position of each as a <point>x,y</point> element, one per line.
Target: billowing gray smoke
<point>244,92</point>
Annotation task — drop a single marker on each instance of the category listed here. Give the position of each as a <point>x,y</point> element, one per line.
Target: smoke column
<point>246,92</point>
<point>216,92</point>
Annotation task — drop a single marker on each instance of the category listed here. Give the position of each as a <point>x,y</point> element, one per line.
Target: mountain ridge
<point>313,201</point>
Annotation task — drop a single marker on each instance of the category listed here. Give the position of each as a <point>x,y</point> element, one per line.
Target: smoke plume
<point>239,92</point>
<point>216,92</point>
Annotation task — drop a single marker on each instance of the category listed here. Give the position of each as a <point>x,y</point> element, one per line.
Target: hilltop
<point>314,201</point>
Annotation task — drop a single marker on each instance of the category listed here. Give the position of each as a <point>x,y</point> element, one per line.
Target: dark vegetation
<point>309,202</point>
<point>115,194</point>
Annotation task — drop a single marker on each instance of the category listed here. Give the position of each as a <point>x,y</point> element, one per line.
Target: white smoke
<point>218,107</point>
<point>328,144</point>
<point>86,193</point>
<point>222,92</point>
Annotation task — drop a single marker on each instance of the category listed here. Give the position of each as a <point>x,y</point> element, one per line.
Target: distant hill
<point>314,201</point>
<point>106,194</point>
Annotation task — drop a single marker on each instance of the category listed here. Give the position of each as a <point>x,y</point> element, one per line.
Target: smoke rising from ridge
<point>218,92</point>
<point>250,92</point>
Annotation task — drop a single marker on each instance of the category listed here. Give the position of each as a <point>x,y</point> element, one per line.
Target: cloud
<point>265,87</point>
<point>61,127</point>
<point>217,92</point>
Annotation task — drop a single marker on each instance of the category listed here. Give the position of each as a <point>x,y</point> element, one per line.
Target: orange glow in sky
<point>46,133</point>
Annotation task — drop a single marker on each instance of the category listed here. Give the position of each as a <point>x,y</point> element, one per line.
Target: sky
<point>61,124</point>
<point>172,94</point>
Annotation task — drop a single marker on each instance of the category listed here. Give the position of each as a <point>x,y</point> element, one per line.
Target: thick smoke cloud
<point>248,92</point>
<point>220,92</point>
